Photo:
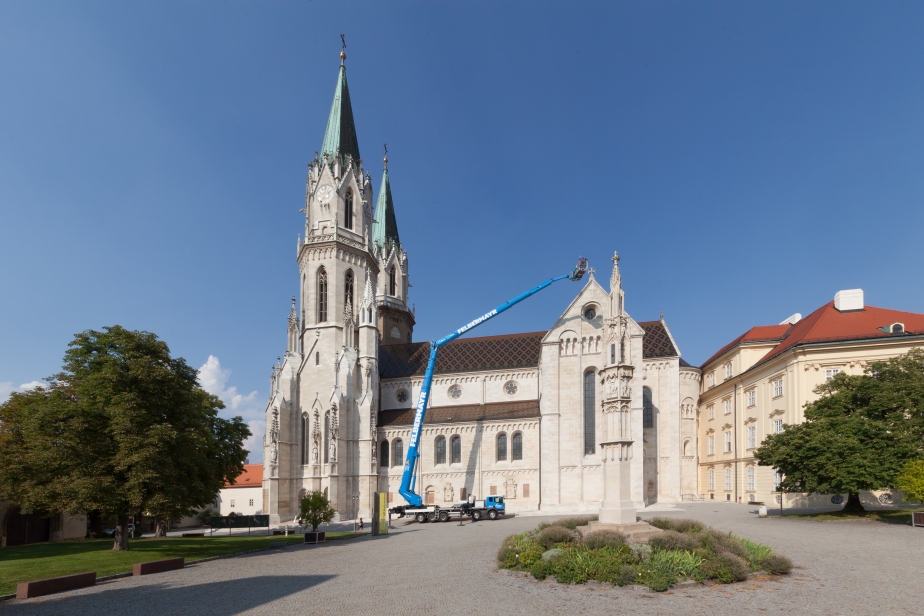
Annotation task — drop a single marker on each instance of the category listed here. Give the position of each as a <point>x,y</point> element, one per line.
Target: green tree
<point>315,509</point>
<point>911,481</point>
<point>124,428</point>
<point>857,436</point>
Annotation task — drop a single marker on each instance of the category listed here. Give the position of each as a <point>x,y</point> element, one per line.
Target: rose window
<point>455,392</point>
<point>511,388</point>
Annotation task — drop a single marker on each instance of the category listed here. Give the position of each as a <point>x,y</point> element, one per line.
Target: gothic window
<point>501,447</point>
<point>613,354</point>
<point>456,447</point>
<point>399,452</point>
<point>317,358</point>
<point>348,210</point>
<point>590,404</point>
<point>326,433</point>
<point>322,295</point>
<point>392,281</point>
<point>440,450</point>
<point>647,409</point>
<point>517,446</point>
<point>306,437</point>
<point>383,453</point>
<point>622,351</point>
<point>348,290</point>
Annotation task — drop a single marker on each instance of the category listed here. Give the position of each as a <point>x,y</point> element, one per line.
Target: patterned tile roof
<point>472,412</point>
<point>657,342</point>
<point>511,351</point>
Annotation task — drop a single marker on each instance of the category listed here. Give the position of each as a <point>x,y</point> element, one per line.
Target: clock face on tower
<point>325,193</point>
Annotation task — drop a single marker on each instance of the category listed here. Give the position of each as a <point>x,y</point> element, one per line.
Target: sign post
<point>379,514</point>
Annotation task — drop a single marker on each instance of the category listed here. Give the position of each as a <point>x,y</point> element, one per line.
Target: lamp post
<point>355,510</point>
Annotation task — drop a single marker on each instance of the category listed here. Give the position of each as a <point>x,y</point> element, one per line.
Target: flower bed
<point>686,550</point>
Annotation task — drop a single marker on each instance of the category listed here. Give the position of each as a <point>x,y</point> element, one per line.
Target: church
<point>523,415</point>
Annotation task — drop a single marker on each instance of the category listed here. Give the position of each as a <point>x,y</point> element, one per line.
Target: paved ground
<point>842,568</point>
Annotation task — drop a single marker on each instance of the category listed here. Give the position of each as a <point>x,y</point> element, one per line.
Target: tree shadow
<point>226,597</point>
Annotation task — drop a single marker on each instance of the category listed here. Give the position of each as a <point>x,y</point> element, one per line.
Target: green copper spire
<point>340,136</point>
<point>385,227</point>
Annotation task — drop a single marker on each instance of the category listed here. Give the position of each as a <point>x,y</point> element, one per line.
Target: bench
<point>158,566</point>
<point>37,588</point>
<point>193,535</point>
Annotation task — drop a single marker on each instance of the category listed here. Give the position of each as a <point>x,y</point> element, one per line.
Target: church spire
<point>385,227</point>
<point>340,135</point>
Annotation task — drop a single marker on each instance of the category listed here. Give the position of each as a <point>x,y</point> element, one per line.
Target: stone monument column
<point>616,451</point>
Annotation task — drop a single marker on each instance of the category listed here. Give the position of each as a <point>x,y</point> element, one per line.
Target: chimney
<point>850,299</point>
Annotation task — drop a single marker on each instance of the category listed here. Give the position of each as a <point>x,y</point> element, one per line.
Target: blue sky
<point>746,159</point>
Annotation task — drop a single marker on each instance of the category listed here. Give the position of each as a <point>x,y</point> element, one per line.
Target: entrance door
<point>431,496</point>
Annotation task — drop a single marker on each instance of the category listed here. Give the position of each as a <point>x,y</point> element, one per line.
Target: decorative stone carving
<point>448,493</point>
<point>510,487</point>
<point>316,437</point>
<point>332,440</point>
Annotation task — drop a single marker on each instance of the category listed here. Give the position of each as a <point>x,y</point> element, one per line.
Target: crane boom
<point>407,479</point>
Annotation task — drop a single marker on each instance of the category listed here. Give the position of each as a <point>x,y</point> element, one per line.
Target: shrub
<point>737,566</point>
<point>757,552</point>
<point>720,542</point>
<point>681,525</point>
<point>640,550</point>
<point>677,563</point>
<point>571,523</point>
<point>659,581</point>
<point>540,570</point>
<point>685,525</point>
<point>627,575</point>
<point>553,553</point>
<point>714,569</point>
<point>548,537</point>
<point>672,540</point>
<point>604,538</point>
<point>776,564</point>
<point>518,551</point>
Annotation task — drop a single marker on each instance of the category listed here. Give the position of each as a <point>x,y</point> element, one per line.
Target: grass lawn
<point>889,517</point>
<point>44,560</point>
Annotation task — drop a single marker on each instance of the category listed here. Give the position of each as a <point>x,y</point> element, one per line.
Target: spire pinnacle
<point>340,142</point>
<point>385,229</point>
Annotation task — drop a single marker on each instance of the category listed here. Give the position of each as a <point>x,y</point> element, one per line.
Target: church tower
<point>322,411</point>
<point>396,322</point>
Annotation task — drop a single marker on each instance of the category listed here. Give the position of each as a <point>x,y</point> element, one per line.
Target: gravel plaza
<point>841,568</point>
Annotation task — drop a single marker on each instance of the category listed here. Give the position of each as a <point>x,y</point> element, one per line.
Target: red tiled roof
<point>252,477</point>
<point>760,333</point>
<point>511,351</point>
<point>828,324</point>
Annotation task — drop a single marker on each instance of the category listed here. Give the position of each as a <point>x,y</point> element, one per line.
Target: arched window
<point>686,447</point>
<point>383,453</point>
<point>898,328</point>
<point>322,295</point>
<point>326,432</point>
<point>647,409</point>
<point>518,446</point>
<point>348,210</point>
<point>501,447</point>
<point>392,281</point>
<point>399,452</point>
<point>306,438</point>
<point>440,449</point>
<point>590,423</point>
<point>456,447</point>
<point>348,290</point>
